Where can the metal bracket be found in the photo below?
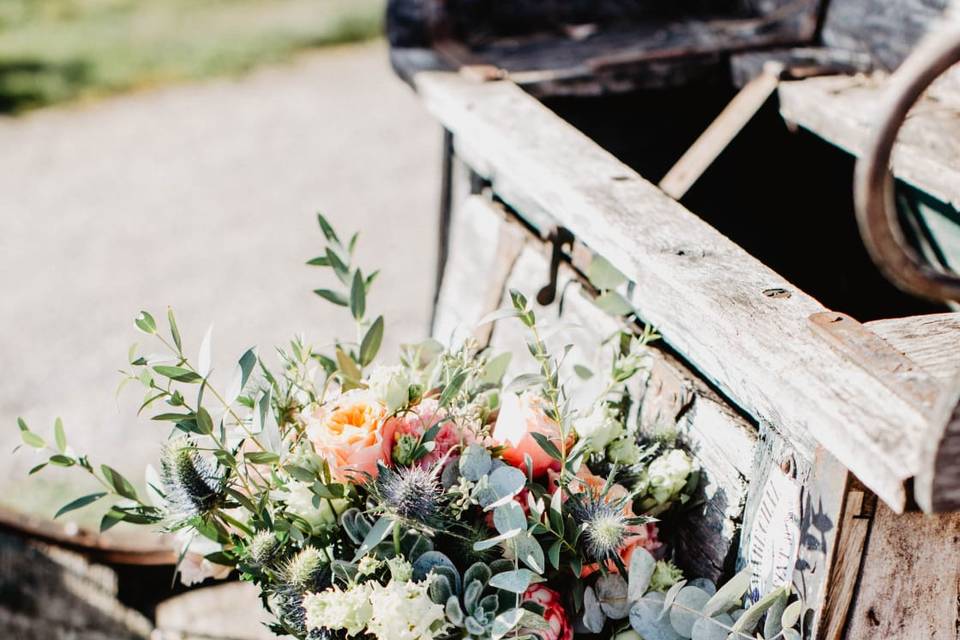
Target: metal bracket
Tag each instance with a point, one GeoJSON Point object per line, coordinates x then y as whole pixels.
{"type": "Point", "coordinates": [559, 237]}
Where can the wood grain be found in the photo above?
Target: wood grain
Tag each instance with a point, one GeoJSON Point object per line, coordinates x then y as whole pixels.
{"type": "Point", "coordinates": [702, 291]}
{"type": "Point", "coordinates": [908, 587]}
{"type": "Point", "coordinates": [932, 341]}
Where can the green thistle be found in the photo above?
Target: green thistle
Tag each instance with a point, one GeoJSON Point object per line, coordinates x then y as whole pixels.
{"type": "Point", "coordinates": [263, 548]}
{"type": "Point", "coordinates": [307, 572]}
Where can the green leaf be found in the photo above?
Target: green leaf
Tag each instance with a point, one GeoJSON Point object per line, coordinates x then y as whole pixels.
{"type": "Point", "coordinates": [319, 261]}
{"type": "Point", "coordinates": [729, 595]}
{"type": "Point", "coordinates": [548, 447]}
{"type": "Point", "coordinates": [172, 417]}
{"type": "Point", "coordinates": [110, 518]}
{"type": "Point", "coordinates": [371, 342]}
{"type": "Point", "coordinates": [604, 275]}
{"type": "Point", "coordinates": [335, 297]}
{"type": "Point", "coordinates": [120, 484]}
{"type": "Point", "coordinates": [146, 323]}
{"type": "Point", "coordinates": [340, 268]}
{"type": "Point", "coordinates": [37, 468]}
{"type": "Point", "coordinates": [22, 424]}
{"type": "Point", "coordinates": [505, 623]}
{"type": "Point", "coordinates": [749, 620]}
{"type": "Point", "coordinates": [614, 303]}
{"type": "Point", "coordinates": [59, 435]}
{"type": "Point", "coordinates": [241, 375]}
{"type": "Point", "coordinates": [179, 374]}
{"type": "Point", "coordinates": [515, 581]}
{"type": "Point", "coordinates": [62, 460]}
{"type": "Point", "coordinates": [358, 296]}
{"type": "Point", "coordinates": [261, 457]}
{"type": "Point", "coordinates": [79, 503]}
{"type": "Point", "coordinates": [174, 330]}
{"type": "Point", "coordinates": [582, 372]}
{"type": "Point", "coordinates": [204, 421]}
{"type": "Point", "coordinates": [495, 368]}
{"type": "Point", "coordinates": [32, 440]}
{"type": "Point", "coordinates": [327, 229]}
{"type": "Point", "coordinates": [452, 388]}
{"type": "Point", "coordinates": [347, 366]}
{"type": "Point", "coordinates": [378, 533]}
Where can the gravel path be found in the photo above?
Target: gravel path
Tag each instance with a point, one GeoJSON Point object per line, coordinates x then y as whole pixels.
{"type": "Point", "coordinates": [200, 197]}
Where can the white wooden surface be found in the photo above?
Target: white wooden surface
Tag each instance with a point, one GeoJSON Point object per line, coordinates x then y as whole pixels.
{"type": "Point", "coordinates": [704, 293]}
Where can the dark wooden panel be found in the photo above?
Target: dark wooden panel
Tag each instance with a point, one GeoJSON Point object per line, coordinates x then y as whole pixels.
{"type": "Point", "coordinates": [886, 30]}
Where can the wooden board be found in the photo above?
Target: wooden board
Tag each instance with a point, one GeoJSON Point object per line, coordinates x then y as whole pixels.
{"type": "Point", "coordinates": [705, 294]}
{"type": "Point", "coordinates": [840, 109]}
{"type": "Point", "coordinates": [933, 341]}
{"type": "Point", "coordinates": [908, 587]}
{"type": "Point", "coordinates": [884, 30]}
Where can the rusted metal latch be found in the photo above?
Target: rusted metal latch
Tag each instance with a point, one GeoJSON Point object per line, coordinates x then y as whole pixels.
{"type": "Point", "coordinates": [873, 182]}
{"type": "Point", "coordinates": [559, 237]}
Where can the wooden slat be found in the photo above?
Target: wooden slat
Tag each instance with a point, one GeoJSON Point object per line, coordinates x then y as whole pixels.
{"type": "Point", "coordinates": [933, 341]}
{"type": "Point", "coordinates": [908, 586]}
{"type": "Point", "coordinates": [705, 294]}
{"type": "Point", "coordinates": [840, 109]}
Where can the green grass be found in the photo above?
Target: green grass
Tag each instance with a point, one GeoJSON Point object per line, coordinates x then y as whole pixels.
{"type": "Point", "coordinates": [54, 51]}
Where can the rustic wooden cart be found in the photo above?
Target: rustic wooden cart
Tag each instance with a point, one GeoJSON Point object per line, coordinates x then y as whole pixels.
{"type": "Point", "coordinates": [821, 400]}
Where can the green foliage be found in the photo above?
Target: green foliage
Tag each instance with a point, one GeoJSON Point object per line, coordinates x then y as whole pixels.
{"type": "Point", "coordinates": [60, 50]}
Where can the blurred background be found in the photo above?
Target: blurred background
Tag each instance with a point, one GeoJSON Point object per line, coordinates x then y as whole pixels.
{"type": "Point", "coordinates": [174, 153]}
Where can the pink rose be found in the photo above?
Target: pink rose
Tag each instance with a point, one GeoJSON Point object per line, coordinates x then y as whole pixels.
{"type": "Point", "coordinates": [417, 420]}
{"type": "Point", "coordinates": [519, 417]}
{"type": "Point", "coordinates": [639, 535]}
{"type": "Point", "coordinates": [350, 433]}
{"type": "Point", "coordinates": [553, 612]}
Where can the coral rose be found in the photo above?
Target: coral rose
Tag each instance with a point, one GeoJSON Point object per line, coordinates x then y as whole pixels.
{"type": "Point", "coordinates": [349, 432]}
{"type": "Point", "coordinates": [519, 417]}
{"type": "Point", "coordinates": [559, 627]}
{"type": "Point", "coordinates": [638, 535]}
{"type": "Point", "coordinates": [409, 426]}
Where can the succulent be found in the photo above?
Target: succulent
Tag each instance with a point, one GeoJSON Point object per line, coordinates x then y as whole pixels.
{"type": "Point", "coordinates": [695, 610]}
{"type": "Point", "coordinates": [471, 603]}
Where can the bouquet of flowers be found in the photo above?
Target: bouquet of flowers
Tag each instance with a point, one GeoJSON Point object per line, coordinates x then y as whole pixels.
{"type": "Point", "coordinates": [423, 499]}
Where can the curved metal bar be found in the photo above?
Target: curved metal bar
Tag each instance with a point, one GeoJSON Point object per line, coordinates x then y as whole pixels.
{"type": "Point", "coordinates": [873, 182]}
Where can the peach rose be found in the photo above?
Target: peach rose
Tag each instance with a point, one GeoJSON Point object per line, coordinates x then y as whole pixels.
{"type": "Point", "coordinates": [350, 432]}
{"type": "Point", "coordinates": [418, 420]}
{"type": "Point", "coordinates": [519, 417]}
{"type": "Point", "coordinates": [640, 535]}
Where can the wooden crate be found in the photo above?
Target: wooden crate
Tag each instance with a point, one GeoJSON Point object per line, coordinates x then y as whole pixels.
{"type": "Point", "coordinates": [818, 434]}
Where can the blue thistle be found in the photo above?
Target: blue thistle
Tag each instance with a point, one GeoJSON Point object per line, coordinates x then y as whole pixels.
{"type": "Point", "coordinates": [412, 494]}
{"type": "Point", "coordinates": [192, 484]}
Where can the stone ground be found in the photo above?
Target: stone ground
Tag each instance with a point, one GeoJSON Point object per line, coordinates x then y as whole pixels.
{"type": "Point", "coordinates": [201, 197]}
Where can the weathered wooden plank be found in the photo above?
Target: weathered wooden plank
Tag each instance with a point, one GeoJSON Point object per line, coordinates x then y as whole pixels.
{"type": "Point", "coordinates": [908, 585]}
{"type": "Point", "coordinates": [933, 341]}
{"type": "Point", "coordinates": [705, 294]}
{"type": "Point", "coordinates": [841, 110]}
{"type": "Point", "coordinates": [886, 31]}
{"type": "Point", "coordinates": [480, 241]}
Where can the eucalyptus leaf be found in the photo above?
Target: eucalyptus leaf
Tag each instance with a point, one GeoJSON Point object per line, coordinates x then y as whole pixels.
{"type": "Point", "coordinates": [593, 616]}
{"type": "Point", "coordinates": [515, 581]}
{"type": "Point", "coordinates": [685, 609]}
{"type": "Point", "coordinates": [791, 615]}
{"type": "Point", "coordinates": [505, 623]}
{"type": "Point", "coordinates": [475, 462]}
{"type": "Point", "coordinates": [613, 303]}
{"type": "Point", "coordinates": [640, 572]}
{"type": "Point", "coordinates": [646, 620]}
{"type": "Point", "coordinates": [611, 591]}
{"type": "Point", "coordinates": [509, 516]}
{"type": "Point", "coordinates": [604, 275]}
{"type": "Point", "coordinates": [716, 628]}
{"type": "Point", "coordinates": [729, 595]}
{"type": "Point", "coordinates": [749, 620]}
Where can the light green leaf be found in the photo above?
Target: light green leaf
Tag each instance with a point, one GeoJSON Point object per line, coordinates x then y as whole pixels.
{"type": "Point", "coordinates": [120, 484]}
{"type": "Point", "coordinates": [358, 296]}
{"type": "Point", "coordinates": [33, 440]}
{"type": "Point", "coordinates": [335, 297]}
{"type": "Point", "coordinates": [79, 503]}
{"type": "Point", "coordinates": [378, 533]}
{"type": "Point", "coordinates": [204, 356]}
{"type": "Point", "coordinates": [515, 581]}
{"type": "Point", "coordinates": [604, 275]}
{"type": "Point", "coordinates": [495, 368]}
{"type": "Point", "coordinates": [241, 375]}
{"type": "Point", "coordinates": [613, 303]}
{"type": "Point", "coordinates": [180, 374]}
{"type": "Point", "coordinates": [174, 330]}
{"type": "Point", "coordinates": [59, 435]}
{"type": "Point", "coordinates": [261, 457]}
{"type": "Point", "coordinates": [505, 623]}
{"type": "Point", "coordinates": [370, 344]}
{"type": "Point", "coordinates": [146, 323]}
{"type": "Point", "coordinates": [729, 595]}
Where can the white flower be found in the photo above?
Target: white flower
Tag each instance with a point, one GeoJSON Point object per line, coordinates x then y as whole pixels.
{"type": "Point", "coordinates": [367, 566]}
{"type": "Point", "coordinates": [335, 609]}
{"type": "Point", "coordinates": [624, 451]}
{"type": "Point", "coordinates": [404, 611]}
{"type": "Point", "coordinates": [400, 569]}
{"type": "Point", "coordinates": [599, 427]}
{"type": "Point", "coordinates": [668, 474]}
{"type": "Point", "coordinates": [194, 568]}
{"type": "Point", "coordinates": [301, 501]}
{"type": "Point", "coordinates": [390, 385]}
